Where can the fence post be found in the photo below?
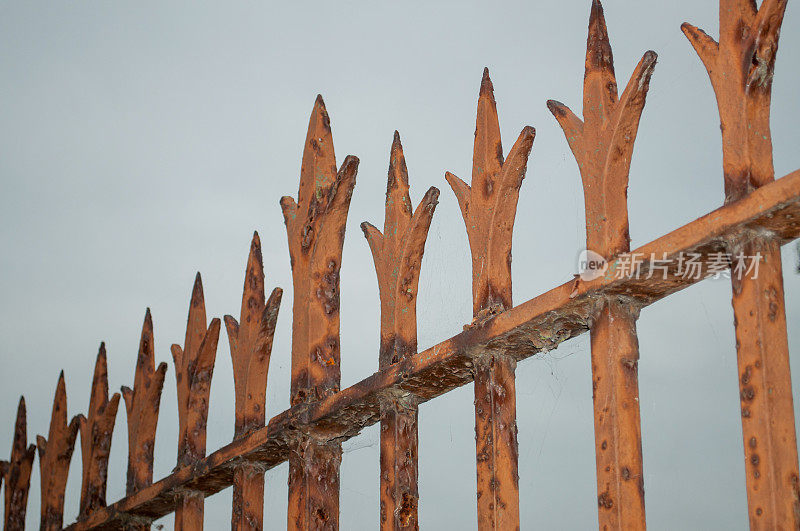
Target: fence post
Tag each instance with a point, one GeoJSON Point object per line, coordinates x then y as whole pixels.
{"type": "Point", "coordinates": [315, 228]}
{"type": "Point", "coordinates": [488, 207]}
{"type": "Point", "coordinates": [741, 67]}
{"type": "Point", "coordinates": [397, 253]}
{"type": "Point", "coordinates": [251, 349]}
{"type": "Point", "coordinates": [603, 145]}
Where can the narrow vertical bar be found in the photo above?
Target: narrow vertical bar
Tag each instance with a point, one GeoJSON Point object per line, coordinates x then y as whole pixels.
{"type": "Point", "coordinates": [496, 438]}
{"type": "Point", "coordinates": [602, 144]}
{"type": "Point", "coordinates": [248, 497]}
{"type": "Point", "coordinates": [397, 253]}
{"type": "Point", "coordinates": [618, 433]}
{"type": "Point", "coordinates": [765, 391]}
{"type": "Point", "coordinates": [315, 227]}
{"type": "Point", "coordinates": [189, 511]}
{"type": "Point", "coordinates": [489, 207]}
{"type": "Point", "coordinates": [399, 489]}
{"type": "Point", "coordinates": [741, 68]}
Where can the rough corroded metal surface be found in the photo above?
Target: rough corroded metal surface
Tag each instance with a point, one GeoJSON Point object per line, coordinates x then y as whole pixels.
{"type": "Point", "coordinates": [55, 454]}
{"type": "Point", "coordinates": [17, 473]}
{"type": "Point", "coordinates": [489, 206]}
{"type": "Point", "coordinates": [315, 226]}
{"type": "Point", "coordinates": [602, 144]}
{"type": "Point", "coordinates": [397, 253]}
{"type": "Point", "coordinates": [539, 324]}
{"type": "Point", "coordinates": [250, 341]}
{"type": "Point", "coordinates": [194, 368]}
{"type": "Point", "coordinates": [741, 67]}
{"type": "Point", "coordinates": [97, 429]}
{"type": "Point", "coordinates": [142, 403]}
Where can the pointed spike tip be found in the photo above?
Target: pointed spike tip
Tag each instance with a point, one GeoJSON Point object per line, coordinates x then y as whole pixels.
{"type": "Point", "coordinates": [556, 107]}
{"type": "Point", "coordinates": [396, 138]}
{"type": "Point", "coordinates": [319, 102]}
{"type": "Point", "coordinates": [486, 83]}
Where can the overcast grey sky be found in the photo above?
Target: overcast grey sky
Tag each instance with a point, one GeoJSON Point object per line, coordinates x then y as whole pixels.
{"type": "Point", "coordinates": [141, 142]}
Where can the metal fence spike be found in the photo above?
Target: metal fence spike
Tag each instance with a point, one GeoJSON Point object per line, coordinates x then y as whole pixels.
{"type": "Point", "coordinates": [315, 226]}
{"type": "Point", "coordinates": [489, 206]}
{"type": "Point", "coordinates": [17, 473]}
{"type": "Point", "coordinates": [741, 68]}
{"type": "Point", "coordinates": [97, 429]}
{"type": "Point", "coordinates": [602, 144]}
{"type": "Point", "coordinates": [194, 368]}
{"type": "Point", "coordinates": [250, 341]}
{"type": "Point", "coordinates": [142, 405]}
{"type": "Point", "coordinates": [397, 253]}
{"type": "Point", "coordinates": [55, 454]}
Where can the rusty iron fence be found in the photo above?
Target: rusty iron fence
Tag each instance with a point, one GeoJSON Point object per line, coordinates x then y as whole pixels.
{"type": "Point", "coordinates": [760, 214]}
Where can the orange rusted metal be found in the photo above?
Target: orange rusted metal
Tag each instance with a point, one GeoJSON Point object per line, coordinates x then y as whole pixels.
{"type": "Point", "coordinates": [759, 215]}
{"type": "Point", "coordinates": [96, 429]}
{"type": "Point", "coordinates": [489, 207]}
{"type": "Point", "coordinates": [315, 227]}
{"type": "Point", "coordinates": [536, 325]}
{"type": "Point", "coordinates": [142, 403]}
{"type": "Point", "coordinates": [55, 454]}
{"type": "Point", "coordinates": [251, 347]}
{"type": "Point", "coordinates": [741, 68]}
{"type": "Point", "coordinates": [194, 367]}
{"type": "Point", "coordinates": [602, 144]}
{"type": "Point", "coordinates": [397, 253]}
{"type": "Point", "coordinates": [17, 473]}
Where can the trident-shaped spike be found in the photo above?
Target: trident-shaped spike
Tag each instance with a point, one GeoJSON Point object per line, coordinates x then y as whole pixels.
{"type": "Point", "coordinates": [96, 430]}
{"type": "Point", "coordinates": [251, 347]}
{"type": "Point", "coordinates": [489, 206]}
{"type": "Point", "coordinates": [397, 253]}
{"type": "Point", "coordinates": [315, 226]}
{"type": "Point", "coordinates": [251, 343]}
{"type": "Point", "coordinates": [741, 68]}
{"type": "Point", "coordinates": [603, 144]}
{"type": "Point", "coordinates": [17, 473]}
{"type": "Point", "coordinates": [194, 367]}
{"type": "Point", "coordinates": [142, 405]}
{"type": "Point", "coordinates": [55, 453]}
{"type": "Point", "coordinates": [603, 141]}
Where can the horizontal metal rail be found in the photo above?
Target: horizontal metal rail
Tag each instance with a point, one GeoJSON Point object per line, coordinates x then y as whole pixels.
{"type": "Point", "coordinates": [538, 325]}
